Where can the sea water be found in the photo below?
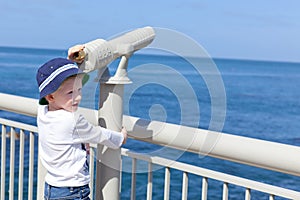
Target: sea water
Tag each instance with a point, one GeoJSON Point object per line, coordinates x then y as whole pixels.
{"type": "Point", "coordinates": [257, 99]}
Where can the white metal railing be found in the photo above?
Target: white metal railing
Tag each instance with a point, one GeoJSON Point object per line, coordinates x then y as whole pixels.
{"type": "Point", "coordinates": [187, 169]}
{"type": "Point", "coordinates": [228, 147]}
{"type": "Point", "coordinates": [168, 164]}
{"type": "Point", "coordinates": [12, 133]}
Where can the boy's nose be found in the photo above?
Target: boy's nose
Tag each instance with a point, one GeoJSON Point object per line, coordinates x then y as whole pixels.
{"type": "Point", "coordinates": [77, 97]}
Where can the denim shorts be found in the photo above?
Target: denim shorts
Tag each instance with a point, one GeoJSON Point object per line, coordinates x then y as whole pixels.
{"type": "Point", "coordinates": [61, 193]}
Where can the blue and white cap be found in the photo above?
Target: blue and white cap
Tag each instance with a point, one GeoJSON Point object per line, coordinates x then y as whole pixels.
{"type": "Point", "coordinates": [51, 75]}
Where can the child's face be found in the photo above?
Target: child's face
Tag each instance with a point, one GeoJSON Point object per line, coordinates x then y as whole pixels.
{"type": "Point", "coordinates": [68, 95]}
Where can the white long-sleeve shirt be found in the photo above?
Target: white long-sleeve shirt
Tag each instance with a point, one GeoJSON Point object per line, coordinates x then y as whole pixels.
{"type": "Point", "coordinates": [61, 134]}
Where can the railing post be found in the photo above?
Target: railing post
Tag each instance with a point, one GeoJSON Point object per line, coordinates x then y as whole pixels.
{"type": "Point", "coordinates": [108, 166]}
{"type": "Point", "coordinates": [41, 173]}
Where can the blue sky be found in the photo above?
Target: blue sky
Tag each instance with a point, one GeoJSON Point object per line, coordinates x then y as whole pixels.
{"type": "Point", "coordinates": [260, 30]}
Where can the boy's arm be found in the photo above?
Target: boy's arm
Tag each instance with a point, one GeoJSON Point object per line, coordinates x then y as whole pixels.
{"type": "Point", "coordinates": [85, 132]}
{"type": "Point", "coordinates": [124, 132]}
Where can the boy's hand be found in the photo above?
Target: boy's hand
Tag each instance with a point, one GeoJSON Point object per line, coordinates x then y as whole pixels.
{"type": "Point", "coordinates": [76, 53]}
{"type": "Point", "coordinates": [124, 132]}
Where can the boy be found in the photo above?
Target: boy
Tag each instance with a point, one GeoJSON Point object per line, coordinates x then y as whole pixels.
{"type": "Point", "coordinates": [63, 131]}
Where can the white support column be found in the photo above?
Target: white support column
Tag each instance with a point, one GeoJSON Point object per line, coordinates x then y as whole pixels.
{"type": "Point", "coordinates": [108, 166]}
{"type": "Point", "coordinates": [109, 160]}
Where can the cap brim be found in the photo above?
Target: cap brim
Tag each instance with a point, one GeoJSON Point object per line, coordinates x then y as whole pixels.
{"type": "Point", "coordinates": [43, 101]}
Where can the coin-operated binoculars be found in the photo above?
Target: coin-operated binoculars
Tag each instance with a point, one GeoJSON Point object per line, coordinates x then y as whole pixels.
{"type": "Point", "coordinates": [97, 55]}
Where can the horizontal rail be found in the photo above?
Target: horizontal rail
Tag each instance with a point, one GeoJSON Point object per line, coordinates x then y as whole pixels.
{"type": "Point", "coordinates": [234, 148]}
{"type": "Point", "coordinates": [18, 104]}
{"type": "Point", "coordinates": [254, 152]}
{"type": "Point", "coordinates": [19, 125]}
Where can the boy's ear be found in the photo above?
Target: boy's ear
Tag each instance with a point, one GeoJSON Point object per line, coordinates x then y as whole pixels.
{"type": "Point", "coordinates": [49, 98]}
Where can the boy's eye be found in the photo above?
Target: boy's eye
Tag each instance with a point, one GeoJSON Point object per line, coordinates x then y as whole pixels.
{"type": "Point", "coordinates": [70, 92]}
